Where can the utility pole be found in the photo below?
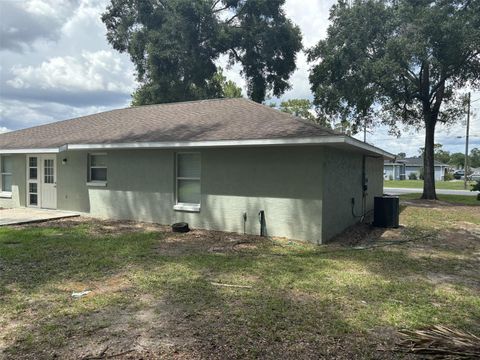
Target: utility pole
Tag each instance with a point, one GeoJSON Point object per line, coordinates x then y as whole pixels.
{"type": "Point", "coordinates": [466, 144]}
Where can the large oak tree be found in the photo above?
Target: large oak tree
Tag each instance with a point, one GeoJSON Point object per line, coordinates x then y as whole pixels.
{"type": "Point", "coordinates": [175, 45]}
{"type": "Point", "coordinates": [399, 61]}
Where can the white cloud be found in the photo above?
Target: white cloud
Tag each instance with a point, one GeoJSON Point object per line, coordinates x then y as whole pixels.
{"type": "Point", "coordinates": [56, 9]}
{"type": "Point", "coordinates": [16, 114]}
{"type": "Point", "coordinates": [87, 15]}
{"type": "Point", "coordinates": [91, 71]}
{"type": "Point", "coordinates": [4, 129]}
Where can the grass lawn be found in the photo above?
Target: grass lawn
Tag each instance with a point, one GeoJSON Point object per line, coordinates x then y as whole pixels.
{"type": "Point", "coordinates": [156, 295]}
{"type": "Point", "coordinates": [452, 199]}
{"type": "Point", "coordinates": [418, 184]}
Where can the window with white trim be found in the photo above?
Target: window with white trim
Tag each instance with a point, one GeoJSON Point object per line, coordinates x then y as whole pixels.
{"type": "Point", "coordinates": [97, 167]}
{"type": "Point", "coordinates": [6, 170]}
{"type": "Point", "coordinates": [33, 180]}
{"type": "Point", "coordinates": [188, 179]}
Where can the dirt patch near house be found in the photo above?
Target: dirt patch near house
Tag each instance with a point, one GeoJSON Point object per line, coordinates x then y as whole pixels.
{"type": "Point", "coordinates": [205, 241]}
{"type": "Point", "coordinates": [99, 227]}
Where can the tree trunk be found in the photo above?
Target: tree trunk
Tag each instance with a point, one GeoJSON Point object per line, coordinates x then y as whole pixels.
{"type": "Point", "coordinates": [429, 158]}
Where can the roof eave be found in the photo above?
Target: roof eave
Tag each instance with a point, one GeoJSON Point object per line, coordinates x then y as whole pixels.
{"type": "Point", "coordinates": [305, 141]}
{"type": "Point", "coordinates": [319, 140]}
{"type": "Point", "coordinates": [30, 151]}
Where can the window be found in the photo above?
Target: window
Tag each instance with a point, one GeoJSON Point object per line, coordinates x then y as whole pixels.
{"type": "Point", "coordinates": [97, 170]}
{"type": "Point", "coordinates": [33, 178]}
{"type": "Point", "coordinates": [6, 168]}
{"type": "Point", "coordinates": [48, 171]}
{"type": "Point", "coordinates": [188, 181]}
{"type": "Point", "coordinates": [32, 168]}
{"type": "Point", "coordinates": [33, 194]}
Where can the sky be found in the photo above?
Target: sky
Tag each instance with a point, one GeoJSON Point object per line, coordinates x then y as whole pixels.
{"type": "Point", "coordinates": [56, 64]}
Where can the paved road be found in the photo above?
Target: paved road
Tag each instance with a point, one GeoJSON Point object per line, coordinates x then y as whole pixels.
{"type": "Point", "coordinates": [399, 191]}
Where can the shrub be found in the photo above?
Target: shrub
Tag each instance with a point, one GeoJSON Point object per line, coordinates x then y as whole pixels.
{"type": "Point", "coordinates": [412, 176]}
{"type": "Point", "coordinates": [448, 177]}
{"type": "Point", "coordinates": [476, 187]}
{"type": "Point", "coordinates": [390, 177]}
{"type": "Point", "coordinates": [421, 174]}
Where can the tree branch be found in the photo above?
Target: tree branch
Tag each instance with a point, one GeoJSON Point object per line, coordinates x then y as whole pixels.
{"type": "Point", "coordinates": [215, 4]}
{"type": "Point", "coordinates": [220, 9]}
{"type": "Point", "coordinates": [438, 99]}
{"type": "Point", "coordinates": [236, 15]}
{"type": "Point", "coordinates": [235, 54]}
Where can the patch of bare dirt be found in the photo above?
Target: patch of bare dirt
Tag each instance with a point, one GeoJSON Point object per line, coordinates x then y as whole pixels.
{"type": "Point", "coordinates": [363, 234]}
{"type": "Point", "coordinates": [148, 329]}
{"type": "Point", "coordinates": [99, 227]}
{"type": "Point", "coordinates": [208, 241]}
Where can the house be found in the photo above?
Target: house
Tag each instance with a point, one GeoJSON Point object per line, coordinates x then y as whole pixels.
{"type": "Point", "coordinates": [401, 169]}
{"type": "Point", "coordinates": [214, 164]}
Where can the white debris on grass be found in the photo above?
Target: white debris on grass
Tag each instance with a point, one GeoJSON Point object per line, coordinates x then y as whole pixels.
{"type": "Point", "coordinates": [81, 294]}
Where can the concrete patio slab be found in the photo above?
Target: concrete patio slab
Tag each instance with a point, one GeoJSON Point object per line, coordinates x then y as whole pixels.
{"type": "Point", "coordinates": [29, 215]}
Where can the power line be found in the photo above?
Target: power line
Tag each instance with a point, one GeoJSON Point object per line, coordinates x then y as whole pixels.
{"type": "Point", "coordinates": [418, 137]}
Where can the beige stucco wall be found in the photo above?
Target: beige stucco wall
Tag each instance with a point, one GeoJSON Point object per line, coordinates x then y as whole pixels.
{"type": "Point", "coordinates": [284, 182]}
{"type": "Point", "coordinates": [18, 180]}
{"type": "Point", "coordinates": [343, 181]}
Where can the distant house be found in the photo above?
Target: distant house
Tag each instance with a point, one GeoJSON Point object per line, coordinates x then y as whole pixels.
{"type": "Point", "coordinates": [402, 168]}
{"type": "Point", "coordinates": [215, 164]}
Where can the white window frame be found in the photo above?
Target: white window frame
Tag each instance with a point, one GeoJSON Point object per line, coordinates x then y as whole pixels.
{"type": "Point", "coordinates": [91, 182]}
{"type": "Point", "coordinates": [4, 194]}
{"type": "Point", "coordinates": [187, 206]}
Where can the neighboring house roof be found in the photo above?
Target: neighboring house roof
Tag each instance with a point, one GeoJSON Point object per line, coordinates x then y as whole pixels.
{"type": "Point", "coordinates": [221, 121]}
{"type": "Point", "coordinates": [413, 161]}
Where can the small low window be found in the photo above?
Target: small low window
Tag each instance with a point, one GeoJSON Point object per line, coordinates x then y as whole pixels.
{"type": "Point", "coordinates": [6, 169]}
{"type": "Point", "coordinates": [188, 178]}
{"type": "Point", "coordinates": [97, 170]}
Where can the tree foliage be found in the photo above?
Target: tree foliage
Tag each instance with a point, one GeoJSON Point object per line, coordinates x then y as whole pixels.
{"type": "Point", "coordinates": [229, 89]}
{"type": "Point", "coordinates": [298, 107]}
{"type": "Point", "coordinates": [174, 45]}
{"type": "Point", "coordinates": [403, 62]}
{"type": "Point", "coordinates": [457, 160]}
{"type": "Point", "coordinates": [220, 86]}
{"type": "Point", "coordinates": [475, 158]}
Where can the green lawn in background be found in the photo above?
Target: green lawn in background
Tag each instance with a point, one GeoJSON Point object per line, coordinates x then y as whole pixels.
{"type": "Point", "coordinates": [453, 199]}
{"type": "Point", "coordinates": [418, 184]}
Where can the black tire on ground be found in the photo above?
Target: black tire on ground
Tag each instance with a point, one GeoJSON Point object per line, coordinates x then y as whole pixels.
{"type": "Point", "coordinates": [181, 227]}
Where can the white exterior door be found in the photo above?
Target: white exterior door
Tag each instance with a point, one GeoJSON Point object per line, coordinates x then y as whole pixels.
{"type": "Point", "coordinates": [49, 182]}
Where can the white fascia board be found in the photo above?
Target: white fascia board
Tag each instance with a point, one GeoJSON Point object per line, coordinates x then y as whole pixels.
{"type": "Point", "coordinates": [360, 144]}
{"type": "Point", "coordinates": [30, 151]}
{"type": "Point", "coordinates": [319, 140]}
{"type": "Point", "coordinates": [210, 143]}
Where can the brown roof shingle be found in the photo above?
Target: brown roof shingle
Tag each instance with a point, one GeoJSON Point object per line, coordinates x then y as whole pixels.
{"type": "Point", "coordinates": [206, 120]}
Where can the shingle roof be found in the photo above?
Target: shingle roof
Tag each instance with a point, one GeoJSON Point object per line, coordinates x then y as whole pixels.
{"type": "Point", "coordinates": [414, 161]}
{"type": "Point", "coordinates": [206, 120]}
